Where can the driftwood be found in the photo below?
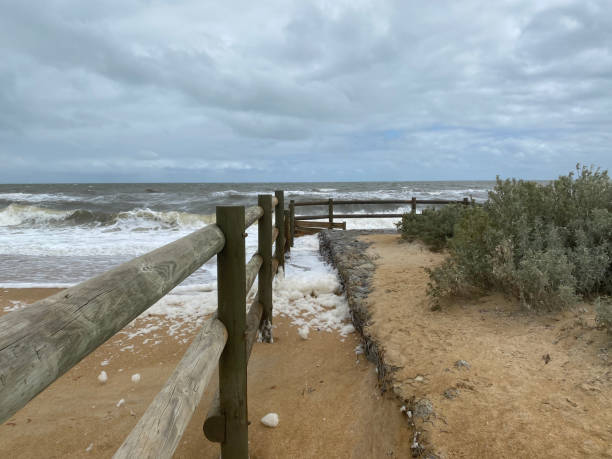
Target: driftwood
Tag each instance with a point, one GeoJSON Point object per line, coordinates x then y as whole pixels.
{"type": "Point", "coordinates": [42, 342]}
{"type": "Point", "coordinates": [161, 427]}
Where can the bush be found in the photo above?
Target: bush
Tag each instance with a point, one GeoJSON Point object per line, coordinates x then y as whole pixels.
{"type": "Point", "coordinates": [547, 245]}
{"type": "Point", "coordinates": [432, 226]}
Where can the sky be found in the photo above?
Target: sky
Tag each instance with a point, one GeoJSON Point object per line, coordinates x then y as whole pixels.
{"type": "Point", "coordinates": [233, 91]}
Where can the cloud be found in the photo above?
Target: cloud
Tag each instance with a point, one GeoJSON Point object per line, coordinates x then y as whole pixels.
{"type": "Point", "coordinates": [362, 90]}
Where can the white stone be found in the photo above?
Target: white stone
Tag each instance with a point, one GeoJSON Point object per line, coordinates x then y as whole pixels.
{"type": "Point", "coordinates": [270, 420]}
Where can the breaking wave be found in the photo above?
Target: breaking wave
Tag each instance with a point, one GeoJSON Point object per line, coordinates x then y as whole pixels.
{"type": "Point", "coordinates": [27, 216]}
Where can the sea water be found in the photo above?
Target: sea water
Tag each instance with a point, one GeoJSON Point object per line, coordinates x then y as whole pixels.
{"type": "Point", "coordinates": [61, 234]}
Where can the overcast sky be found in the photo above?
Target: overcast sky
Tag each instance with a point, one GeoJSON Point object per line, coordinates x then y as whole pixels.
{"type": "Point", "coordinates": [194, 90]}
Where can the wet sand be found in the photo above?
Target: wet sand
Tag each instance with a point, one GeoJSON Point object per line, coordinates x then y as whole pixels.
{"type": "Point", "coordinates": [326, 397]}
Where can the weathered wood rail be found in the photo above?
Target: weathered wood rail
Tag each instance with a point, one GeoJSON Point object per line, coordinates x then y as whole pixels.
{"type": "Point", "coordinates": [40, 343]}
{"type": "Point", "coordinates": [311, 224]}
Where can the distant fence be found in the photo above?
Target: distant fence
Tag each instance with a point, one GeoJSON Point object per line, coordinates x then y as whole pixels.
{"type": "Point", "coordinates": [43, 341]}
{"type": "Point", "coordinates": [40, 343]}
{"type": "Point", "coordinates": [301, 224]}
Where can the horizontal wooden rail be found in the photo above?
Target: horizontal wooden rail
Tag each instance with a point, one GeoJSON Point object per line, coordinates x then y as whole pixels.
{"type": "Point", "coordinates": [377, 201]}
{"type": "Point", "coordinates": [275, 265]}
{"type": "Point", "coordinates": [251, 215]}
{"type": "Point", "coordinates": [159, 430]}
{"type": "Point", "coordinates": [40, 343]}
{"type": "Point", "coordinates": [214, 425]}
{"type": "Point", "coordinates": [252, 268]}
{"type": "Point", "coordinates": [308, 231]}
{"type": "Point", "coordinates": [309, 224]}
{"type": "Point", "coordinates": [317, 217]}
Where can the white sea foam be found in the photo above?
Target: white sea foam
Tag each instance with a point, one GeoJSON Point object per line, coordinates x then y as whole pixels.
{"type": "Point", "coordinates": [309, 294]}
{"type": "Point", "coordinates": [39, 197]}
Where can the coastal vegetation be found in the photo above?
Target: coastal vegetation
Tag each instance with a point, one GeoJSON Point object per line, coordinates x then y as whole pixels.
{"type": "Point", "coordinates": [548, 245]}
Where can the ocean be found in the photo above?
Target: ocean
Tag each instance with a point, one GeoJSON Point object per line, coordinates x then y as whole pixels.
{"type": "Point", "coordinates": [62, 234]}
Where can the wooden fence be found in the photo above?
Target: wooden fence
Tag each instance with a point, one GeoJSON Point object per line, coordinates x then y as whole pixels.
{"type": "Point", "coordinates": [40, 343]}
{"type": "Point", "coordinates": [43, 341]}
{"type": "Point", "coordinates": [301, 224]}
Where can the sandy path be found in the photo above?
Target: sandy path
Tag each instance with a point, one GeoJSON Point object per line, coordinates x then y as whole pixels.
{"type": "Point", "coordinates": [325, 395]}
{"type": "Point", "coordinates": [510, 403]}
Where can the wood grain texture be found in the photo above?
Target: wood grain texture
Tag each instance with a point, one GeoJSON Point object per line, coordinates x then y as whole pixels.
{"type": "Point", "coordinates": [214, 425]}
{"type": "Point", "coordinates": [279, 222]}
{"type": "Point", "coordinates": [287, 246]}
{"type": "Point", "coordinates": [251, 215]}
{"type": "Point", "coordinates": [252, 268]}
{"type": "Point", "coordinates": [231, 293]}
{"type": "Point", "coordinates": [266, 237]}
{"type": "Point", "coordinates": [159, 430]}
{"type": "Point", "coordinates": [43, 341]}
{"type": "Point", "coordinates": [291, 221]}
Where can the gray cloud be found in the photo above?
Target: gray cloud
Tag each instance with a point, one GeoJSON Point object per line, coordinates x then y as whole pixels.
{"type": "Point", "coordinates": [189, 90]}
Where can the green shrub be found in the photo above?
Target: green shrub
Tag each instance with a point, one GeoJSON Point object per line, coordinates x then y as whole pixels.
{"type": "Point", "coordinates": [432, 226]}
{"type": "Point", "coordinates": [548, 245]}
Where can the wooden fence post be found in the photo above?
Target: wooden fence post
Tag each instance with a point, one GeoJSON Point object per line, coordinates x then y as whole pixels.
{"type": "Point", "coordinates": [231, 297]}
{"type": "Point", "coordinates": [413, 205]}
{"type": "Point", "coordinates": [330, 207]}
{"type": "Point", "coordinates": [279, 217]}
{"type": "Point", "coordinates": [291, 221]}
{"type": "Point", "coordinates": [465, 201]}
{"type": "Point", "coordinates": [287, 235]}
{"type": "Point", "coordinates": [264, 286]}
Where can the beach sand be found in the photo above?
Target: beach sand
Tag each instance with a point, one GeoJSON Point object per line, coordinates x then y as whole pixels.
{"type": "Point", "coordinates": [535, 385]}
{"type": "Point", "coordinates": [326, 397]}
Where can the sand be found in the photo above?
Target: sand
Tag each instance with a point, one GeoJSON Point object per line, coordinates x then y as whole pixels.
{"type": "Point", "coordinates": [325, 395]}
{"type": "Point", "coordinates": [512, 401]}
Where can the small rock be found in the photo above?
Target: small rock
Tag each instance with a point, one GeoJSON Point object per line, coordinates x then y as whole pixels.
{"type": "Point", "coordinates": [419, 379]}
{"type": "Point", "coordinates": [136, 378]}
{"type": "Point", "coordinates": [270, 420]}
{"type": "Point", "coordinates": [451, 393]}
{"type": "Point", "coordinates": [103, 377]}
{"type": "Point", "coordinates": [120, 402]}
{"type": "Point", "coordinates": [423, 409]}
{"type": "Point", "coordinates": [462, 364]}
